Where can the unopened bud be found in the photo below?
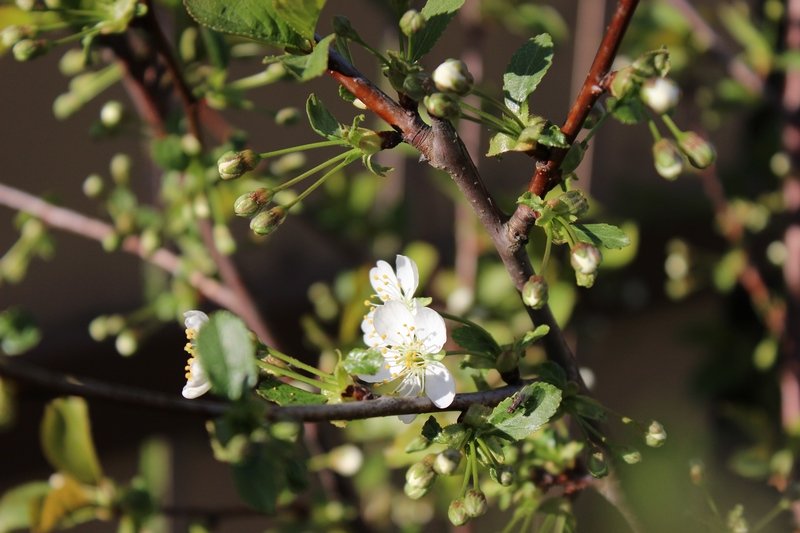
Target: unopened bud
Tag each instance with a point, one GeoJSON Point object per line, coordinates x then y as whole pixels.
{"type": "Point", "coordinates": [191, 145]}
{"type": "Point", "coordinates": [26, 5]}
{"type": "Point", "coordinates": [126, 343]}
{"type": "Point", "coordinates": [623, 82]}
{"type": "Point", "coordinates": [28, 49]}
{"type": "Point", "coordinates": [414, 85]}
{"type": "Point", "coordinates": [111, 114]}
{"type": "Point", "coordinates": [630, 455]}
{"type": "Point", "coordinates": [97, 329]}
{"type": "Point", "coordinates": [287, 116]}
{"type": "Point", "coordinates": [475, 503]}
{"type": "Point", "coordinates": [452, 76]}
{"type": "Point", "coordinates": [11, 35]}
{"type": "Point", "coordinates": [457, 512]}
{"type": "Point", "coordinates": [369, 142]}
{"type": "Point", "coordinates": [447, 462]}
{"type": "Point", "coordinates": [93, 186]}
{"type": "Point", "coordinates": [652, 64]}
{"type": "Point", "coordinates": [441, 105]}
{"type": "Point", "coordinates": [656, 435]}
{"type": "Point", "coordinates": [65, 105]}
{"type": "Point", "coordinates": [266, 222]}
{"type": "Point", "coordinates": [420, 475]}
{"type": "Point", "coordinates": [149, 241]}
{"type": "Point", "coordinates": [699, 151]}
{"type": "Point", "coordinates": [411, 22]}
{"type": "Point", "coordinates": [72, 62]}
{"type": "Point", "coordinates": [504, 475]}
{"type": "Point", "coordinates": [597, 465]}
{"type": "Point", "coordinates": [235, 164]}
{"type": "Point", "coordinates": [249, 203]}
{"type": "Point", "coordinates": [667, 159]}
{"type": "Point", "coordinates": [660, 94]}
{"type": "Point", "coordinates": [415, 493]}
{"type": "Point", "coordinates": [697, 472]}
{"type": "Point", "coordinates": [585, 280]}
{"type": "Point", "coordinates": [585, 258]}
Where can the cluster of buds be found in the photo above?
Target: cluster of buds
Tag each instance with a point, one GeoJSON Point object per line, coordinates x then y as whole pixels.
{"type": "Point", "coordinates": [451, 79]}
{"type": "Point", "coordinates": [472, 505]}
{"type": "Point", "coordinates": [585, 258]}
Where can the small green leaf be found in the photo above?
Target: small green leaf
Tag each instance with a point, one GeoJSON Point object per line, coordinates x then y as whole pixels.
{"type": "Point", "coordinates": [301, 15]}
{"type": "Point", "coordinates": [227, 353]}
{"type": "Point", "coordinates": [526, 70]}
{"type": "Point", "coordinates": [275, 390]}
{"type": "Point", "coordinates": [538, 402]}
{"type": "Point", "coordinates": [66, 438]}
{"type": "Point", "coordinates": [256, 19]}
{"type": "Point", "coordinates": [259, 478]}
{"type": "Point", "coordinates": [628, 111]}
{"type": "Point", "coordinates": [605, 235]}
{"type": "Point", "coordinates": [438, 14]}
{"type": "Point", "coordinates": [553, 136]}
{"type": "Point", "coordinates": [476, 339]}
{"type": "Point", "coordinates": [532, 336]}
{"type": "Point", "coordinates": [500, 143]}
{"type": "Point", "coordinates": [17, 503]}
{"type": "Point", "coordinates": [310, 66]}
{"type": "Point", "coordinates": [363, 361]}
{"type": "Point", "coordinates": [321, 119]}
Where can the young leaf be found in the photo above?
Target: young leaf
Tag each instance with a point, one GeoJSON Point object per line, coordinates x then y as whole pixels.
{"type": "Point", "coordinates": [256, 19]}
{"type": "Point", "coordinates": [553, 136]}
{"type": "Point", "coordinates": [528, 66]}
{"type": "Point", "coordinates": [301, 15]}
{"type": "Point", "coordinates": [438, 14]}
{"type": "Point", "coordinates": [605, 235]}
{"type": "Point", "coordinates": [274, 390]}
{"type": "Point", "coordinates": [16, 505]}
{"type": "Point", "coordinates": [227, 354]}
{"type": "Point", "coordinates": [537, 403]}
{"type": "Point", "coordinates": [321, 119]}
{"type": "Point", "coordinates": [66, 438]}
{"type": "Point", "coordinates": [310, 66]}
{"type": "Point", "coordinates": [532, 336]}
{"type": "Point", "coordinates": [476, 339]}
{"type": "Point", "coordinates": [363, 361]}
{"type": "Point", "coordinates": [500, 143]}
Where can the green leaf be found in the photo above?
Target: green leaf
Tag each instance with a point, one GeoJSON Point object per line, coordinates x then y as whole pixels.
{"type": "Point", "coordinates": [528, 66]}
{"type": "Point", "coordinates": [17, 503]}
{"type": "Point", "coordinates": [605, 235]}
{"type": "Point", "coordinates": [476, 339]}
{"type": "Point", "coordinates": [438, 14]}
{"type": "Point", "coordinates": [532, 336]}
{"type": "Point", "coordinates": [628, 111]}
{"type": "Point", "coordinates": [301, 15]}
{"type": "Point", "coordinates": [363, 361]}
{"type": "Point", "coordinates": [256, 19]}
{"type": "Point", "coordinates": [585, 407]}
{"type": "Point", "coordinates": [321, 119]}
{"type": "Point", "coordinates": [500, 143]}
{"type": "Point", "coordinates": [66, 439]}
{"type": "Point", "coordinates": [553, 136]}
{"type": "Point", "coordinates": [310, 66]}
{"type": "Point", "coordinates": [275, 390]}
{"type": "Point", "coordinates": [227, 354]}
{"type": "Point", "coordinates": [538, 402]}
{"type": "Point", "coordinates": [259, 478]}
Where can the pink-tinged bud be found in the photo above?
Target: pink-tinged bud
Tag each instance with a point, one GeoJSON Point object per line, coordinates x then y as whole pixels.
{"type": "Point", "coordinates": [235, 164]}
{"type": "Point", "coordinates": [251, 202]}
{"type": "Point", "coordinates": [699, 151]}
{"type": "Point", "coordinates": [667, 159]}
{"type": "Point", "coordinates": [266, 222]}
{"type": "Point", "coordinates": [534, 292]}
{"type": "Point", "coordinates": [453, 76]}
{"type": "Point", "coordinates": [660, 94]}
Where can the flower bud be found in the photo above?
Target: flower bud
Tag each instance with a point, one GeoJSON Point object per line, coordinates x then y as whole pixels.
{"type": "Point", "coordinates": [93, 186]}
{"type": "Point", "coordinates": [149, 241]}
{"type": "Point", "coordinates": [504, 475]}
{"type": "Point", "coordinates": [452, 76]}
{"type": "Point", "coordinates": [534, 292]}
{"type": "Point", "coordinates": [27, 5]}
{"type": "Point", "coordinates": [475, 503]}
{"type": "Point", "coordinates": [190, 145]}
{"type": "Point", "coordinates": [411, 22]}
{"type": "Point", "coordinates": [420, 475]}
{"type": "Point", "coordinates": [660, 94]}
{"type": "Point", "coordinates": [457, 512]}
{"type": "Point", "coordinates": [597, 465]}
{"type": "Point", "coordinates": [623, 83]}
{"type": "Point", "coordinates": [630, 455]}
{"type": "Point", "coordinates": [667, 159]}
{"type": "Point", "coordinates": [120, 168]}
{"type": "Point", "coordinates": [234, 164]}
{"type": "Point", "coordinates": [287, 116]}
{"type": "Point", "coordinates": [97, 328]}
{"type": "Point", "coordinates": [28, 49]}
{"type": "Point", "coordinates": [111, 114]}
{"type": "Point", "coordinates": [369, 141]}
{"type": "Point", "coordinates": [415, 493]}
{"type": "Point", "coordinates": [266, 222]}
{"type": "Point", "coordinates": [699, 151]}
{"type": "Point", "coordinates": [414, 85]}
{"type": "Point", "coordinates": [656, 435]}
{"type": "Point", "coordinates": [11, 35]}
{"type": "Point", "coordinates": [441, 105]}
{"type": "Point", "coordinates": [585, 258]}
{"type": "Point", "coordinates": [249, 203]}
{"type": "Point", "coordinates": [447, 462]}
{"type": "Point", "coordinates": [72, 62]}
{"type": "Point", "coordinates": [126, 343]}
{"type": "Point", "coordinates": [697, 472]}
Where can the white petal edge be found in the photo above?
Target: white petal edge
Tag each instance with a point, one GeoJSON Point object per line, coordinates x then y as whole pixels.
{"type": "Point", "coordinates": [430, 329]}
{"type": "Point", "coordinates": [393, 322]}
{"type": "Point", "coordinates": [387, 289]}
{"type": "Point", "coordinates": [407, 276]}
{"type": "Point", "coordinates": [194, 319]}
{"type": "Point", "coordinates": [440, 386]}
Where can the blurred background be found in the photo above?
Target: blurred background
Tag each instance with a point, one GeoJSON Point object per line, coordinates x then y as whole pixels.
{"type": "Point", "coordinates": [668, 332]}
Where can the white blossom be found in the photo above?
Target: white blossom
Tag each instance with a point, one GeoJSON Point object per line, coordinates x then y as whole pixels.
{"type": "Point", "coordinates": [197, 382]}
{"type": "Point", "coordinates": [390, 286]}
{"type": "Point", "coordinates": [660, 94]}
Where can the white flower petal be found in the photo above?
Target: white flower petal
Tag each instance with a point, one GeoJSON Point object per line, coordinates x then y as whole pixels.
{"type": "Point", "coordinates": [371, 337]}
{"type": "Point", "coordinates": [430, 329]}
{"type": "Point", "coordinates": [440, 386]}
{"type": "Point", "coordinates": [407, 276]}
{"type": "Point", "coordinates": [393, 323]}
{"type": "Point", "coordinates": [411, 385]}
{"type": "Point", "coordinates": [194, 319]}
{"type": "Point", "coordinates": [198, 384]}
{"type": "Point", "coordinates": [384, 281]}
{"type": "Point", "coordinates": [384, 373]}
{"type": "Point", "coordinates": [406, 419]}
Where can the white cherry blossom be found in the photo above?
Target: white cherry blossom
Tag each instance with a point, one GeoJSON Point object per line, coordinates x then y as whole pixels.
{"type": "Point", "coordinates": [390, 286]}
{"type": "Point", "coordinates": [197, 382]}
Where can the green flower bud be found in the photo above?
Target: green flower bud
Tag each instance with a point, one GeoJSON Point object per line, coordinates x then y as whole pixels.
{"type": "Point", "coordinates": [287, 116]}
{"type": "Point", "coordinates": [447, 462]}
{"type": "Point", "coordinates": [11, 35]}
{"type": "Point", "coordinates": [249, 203]}
{"type": "Point", "coordinates": [233, 165]}
{"type": "Point", "coordinates": [597, 465]}
{"type": "Point", "coordinates": [111, 114]}
{"type": "Point", "coordinates": [656, 435]}
{"type": "Point", "coordinates": [411, 22]}
{"type": "Point", "coordinates": [72, 62]}
{"type": "Point", "coordinates": [504, 475]}
{"type": "Point", "coordinates": [699, 151]}
{"type": "Point", "coordinates": [415, 493]}
{"type": "Point", "coordinates": [585, 258]}
{"type": "Point", "coordinates": [667, 159]}
{"type": "Point", "coordinates": [452, 76]}
{"type": "Point", "coordinates": [441, 105]}
{"type": "Point", "coordinates": [457, 512]}
{"type": "Point", "coordinates": [150, 240]}
{"type": "Point", "coordinates": [65, 105]}
{"type": "Point", "coordinates": [630, 455]}
{"type": "Point", "coordinates": [624, 81]}
{"type": "Point", "coordinates": [28, 49]}
{"type": "Point", "coordinates": [110, 242]}
{"type": "Point", "coordinates": [660, 94]}
{"type": "Point", "coordinates": [126, 343]}
{"type": "Point", "coordinates": [475, 503]}
{"type": "Point", "coordinates": [415, 85]}
{"type": "Point", "coordinates": [93, 186]}
{"type": "Point", "coordinates": [26, 5]}
{"type": "Point", "coordinates": [420, 475]}
{"type": "Point", "coordinates": [266, 222]}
